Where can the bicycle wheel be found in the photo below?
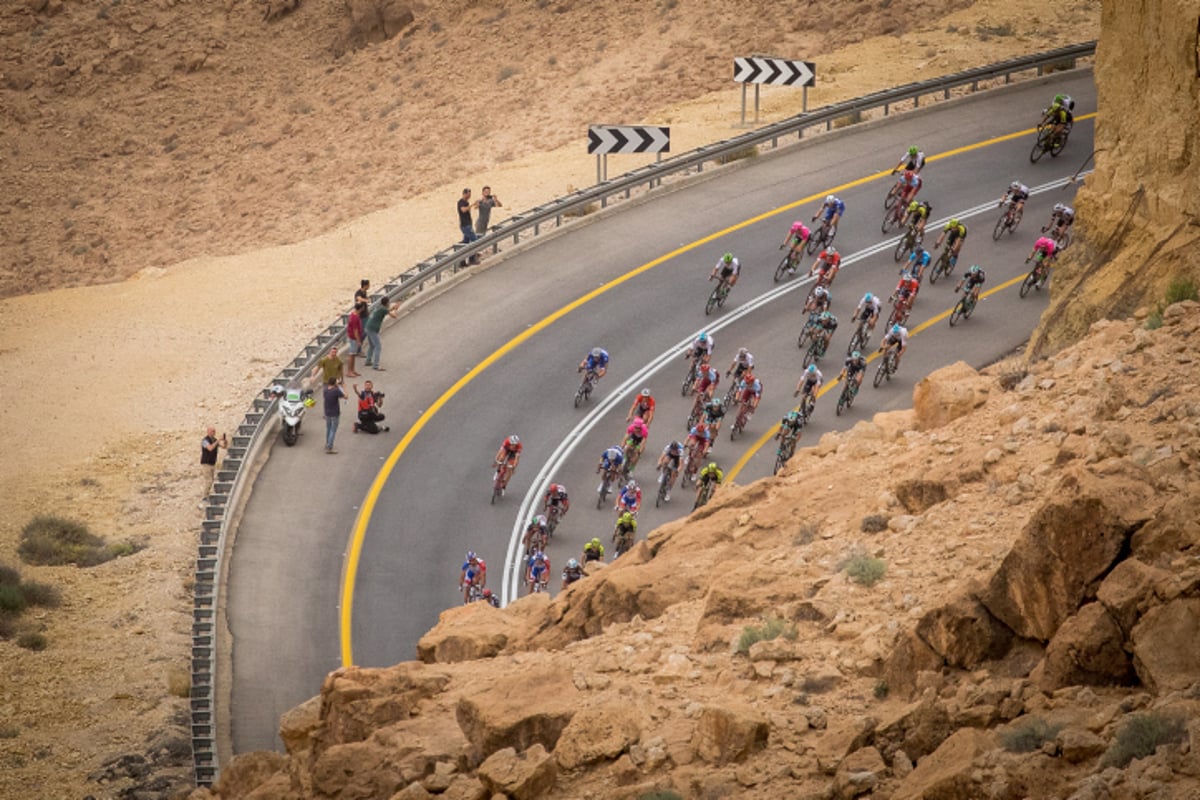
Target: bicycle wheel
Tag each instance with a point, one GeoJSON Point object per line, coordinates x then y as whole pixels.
{"type": "Point", "coordinates": [957, 313]}
{"type": "Point", "coordinates": [841, 403]}
{"type": "Point", "coordinates": [712, 302]}
{"type": "Point", "coordinates": [889, 222]}
{"type": "Point", "coordinates": [968, 307]}
{"type": "Point", "coordinates": [807, 406]}
{"type": "Point", "coordinates": [904, 247]}
{"type": "Point", "coordinates": [782, 269]}
{"type": "Point", "coordinates": [1029, 281]}
{"type": "Point", "coordinates": [689, 381]}
{"type": "Point", "coordinates": [1039, 148]}
{"type": "Point", "coordinates": [779, 462]}
{"type": "Point", "coordinates": [1065, 241]}
{"type": "Point", "coordinates": [1058, 145]}
{"type": "Point", "coordinates": [729, 395]}
{"type": "Point", "coordinates": [892, 195]}
{"type": "Point", "coordinates": [815, 241]}
{"type": "Point", "coordinates": [1016, 220]}
{"type": "Point", "coordinates": [941, 265]}
{"type": "Point", "coordinates": [1001, 226]}
{"type": "Point", "coordinates": [880, 372]}
{"type": "Point", "coordinates": [602, 492]}
{"type": "Point", "coordinates": [722, 293]}
{"type": "Point", "coordinates": [810, 355]}
{"type": "Point", "coordinates": [830, 235]}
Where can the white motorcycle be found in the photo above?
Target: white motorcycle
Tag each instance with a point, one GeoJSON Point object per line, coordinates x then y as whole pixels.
{"type": "Point", "coordinates": [292, 403]}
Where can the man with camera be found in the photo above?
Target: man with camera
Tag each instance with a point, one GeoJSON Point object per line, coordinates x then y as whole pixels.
{"type": "Point", "coordinates": [369, 415]}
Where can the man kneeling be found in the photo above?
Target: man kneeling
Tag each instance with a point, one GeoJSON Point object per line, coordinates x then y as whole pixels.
{"type": "Point", "coordinates": [369, 415]}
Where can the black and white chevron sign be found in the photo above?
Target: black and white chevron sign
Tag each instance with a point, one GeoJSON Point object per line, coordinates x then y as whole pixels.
{"type": "Point", "coordinates": [775, 71]}
{"type": "Point", "coordinates": [604, 139]}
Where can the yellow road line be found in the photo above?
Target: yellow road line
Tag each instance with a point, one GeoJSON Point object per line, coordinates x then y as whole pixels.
{"type": "Point", "coordinates": [929, 323]}
{"type": "Point", "coordinates": [359, 531]}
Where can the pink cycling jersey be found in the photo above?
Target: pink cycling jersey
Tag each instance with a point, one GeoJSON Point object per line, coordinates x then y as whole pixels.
{"type": "Point", "coordinates": [800, 231]}
{"type": "Point", "coordinates": [1046, 245]}
{"type": "Point", "coordinates": [636, 430]}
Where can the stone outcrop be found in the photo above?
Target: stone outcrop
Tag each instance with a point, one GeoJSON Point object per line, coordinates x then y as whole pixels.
{"type": "Point", "coordinates": [724, 735]}
{"type": "Point", "coordinates": [1166, 645]}
{"type": "Point", "coordinates": [964, 633]}
{"type": "Point", "coordinates": [597, 734]}
{"type": "Point", "coordinates": [466, 633]}
{"type": "Point", "coordinates": [949, 771]}
{"type": "Point", "coordinates": [1088, 649]}
{"type": "Point", "coordinates": [947, 394]}
{"type": "Point", "coordinates": [374, 21]}
{"type": "Point", "coordinates": [524, 775]}
{"type": "Point", "coordinates": [535, 711]}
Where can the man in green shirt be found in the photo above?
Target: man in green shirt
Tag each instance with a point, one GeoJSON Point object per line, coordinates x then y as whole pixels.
{"type": "Point", "coordinates": [374, 323]}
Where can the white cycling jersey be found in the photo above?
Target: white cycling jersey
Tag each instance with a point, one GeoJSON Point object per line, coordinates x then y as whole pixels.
{"type": "Point", "coordinates": [814, 377]}
{"type": "Point", "coordinates": [863, 304]}
{"type": "Point", "coordinates": [707, 346]}
{"type": "Point", "coordinates": [901, 337]}
{"type": "Point", "coordinates": [734, 267]}
{"type": "Point", "coordinates": [917, 161]}
{"type": "Point", "coordinates": [745, 360]}
{"type": "Point", "coordinates": [1067, 213]}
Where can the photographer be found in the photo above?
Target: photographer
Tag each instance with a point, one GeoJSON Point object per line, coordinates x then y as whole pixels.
{"type": "Point", "coordinates": [209, 446]}
{"type": "Point", "coordinates": [369, 415]}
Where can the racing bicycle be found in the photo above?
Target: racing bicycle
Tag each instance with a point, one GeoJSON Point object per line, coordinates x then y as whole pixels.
{"type": "Point", "coordinates": [963, 308]}
{"type": "Point", "coordinates": [584, 392]}
{"type": "Point", "coordinates": [717, 298]}
{"type": "Point", "coordinates": [606, 485]}
{"type": "Point", "coordinates": [887, 366]}
{"type": "Point", "coordinates": [822, 237]}
{"type": "Point", "coordinates": [1038, 276]}
{"type": "Point", "coordinates": [846, 398]}
{"type": "Point", "coordinates": [786, 449]}
{"type": "Point", "coordinates": [1010, 218]}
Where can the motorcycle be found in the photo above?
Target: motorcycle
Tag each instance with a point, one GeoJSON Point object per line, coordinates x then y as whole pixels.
{"type": "Point", "coordinates": [292, 403]}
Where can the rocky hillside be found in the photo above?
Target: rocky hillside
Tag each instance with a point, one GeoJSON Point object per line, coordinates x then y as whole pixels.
{"type": "Point", "coordinates": [1138, 213]}
{"type": "Point", "coordinates": [1000, 599]}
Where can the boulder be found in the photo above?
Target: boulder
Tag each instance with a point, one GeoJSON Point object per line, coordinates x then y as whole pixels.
{"type": "Point", "coordinates": [1175, 530]}
{"type": "Point", "coordinates": [297, 726]}
{"type": "Point", "coordinates": [725, 735]}
{"type": "Point", "coordinates": [1078, 745]}
{"type": "Point", "coordinates": [358, 769]}
{"type": "Point", "coordinates": [1131, 589]}
{"type": "Point", "coordinates": [424, 745]}
{"type": "Point", "coordinates": [948, 772]}
{"type": "Point", "coordinates": [1166, 645]}
{"type": "Point", "coordinates": [964, 633]}
{"type": "Point", "coordinates": [947, 394]}
{"type": "Point", "coordinates": [518, 714]}
{"type": "Point", "coordinates": [373, 21]}
{"type": "Point", "coordinates": [1087, 649]}
{"type": "Point", "coordinates": [466, 633]}
{"type": "Point", "coordinates": [525, 775]}
{"type": "Point", "coordinates": [357, 701]}
{"type": "Point", "coordinates": [859, 773]}
{"type": "Point", "coordinates": [245, 773]}
{"type": "Point", "coordinates": [464, 787]}
{"type": "Point", "coordinates": [918, 494]}
{"type": "Point", "coordinates": [841, 739]}
{"type": "Point", "coordinates": [597, 734]}
{"type": "Point", "coordinates": [1066, 547]}
{"type": "Point", "coordinates": [414, 791]}
{"type": "Point", "coordinates": [911, 656]}
{"type": "Point", "coordinates": [918, 728]}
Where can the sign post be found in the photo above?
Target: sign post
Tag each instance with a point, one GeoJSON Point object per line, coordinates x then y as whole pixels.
{"type": "Point", "coordinates": [605, 139]}
{"type": "Point", "coordinates": [774, 71]}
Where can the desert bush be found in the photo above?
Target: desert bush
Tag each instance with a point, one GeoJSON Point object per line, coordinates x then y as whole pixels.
{"type": "Point", "coordinates": [32, 641]}
{"type": "Point", "coordinates": [874, 523]}
{"type": "Point", "coordinates": [1028, 735]}
{"type": "Point", "coordinates": [882, 690]}
{"type": "Point", "coordinates": [864, 569]}
{"type": "Point", "coordinates": [9, 575]}
{"type": "Point", "coordinates": [750, 151]}
{"type": "Point", "coordinates": [1001, 30]}
{"type": "Point", "coordinates": [805, 535]}
{"type": "Point", "coordinates": [9, 732]}
{"type": "Point", "coordinates": [8, 625]}
{"type": "Point", "coordinates": [772, 627]}
{"type": "Point", "coordinates": [55, 541]}
{"type": "Point", "coordinates": [1181, 289]}
{"type": "Point", "coordinates": [1059, 66]}
{"type": "Point", "coordinates": [506, 73]}
{"type": "Point", "coordinates": [1154, 321]}
{"type": "Point", "coordinates": [818, 684]}
{"type": "Point", "coordinates": [12, 599]}
{"type": "Point", "coordinates": [179, 682]}
{"type": "Point", "coordinates": [1141, 735]}
{"type": "Point", "coordinates": [41, 594]}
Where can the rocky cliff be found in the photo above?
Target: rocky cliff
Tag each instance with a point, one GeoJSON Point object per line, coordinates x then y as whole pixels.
{"type": "Point", "coordinates": [1138, 213]}
{"type": "Point", "coordinates": [1001, 599]}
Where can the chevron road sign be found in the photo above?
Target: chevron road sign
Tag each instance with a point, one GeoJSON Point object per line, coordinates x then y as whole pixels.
{"type": "Point", "coordinates": [605, 139]}
{"type": "Point", "coordinates": [774, 71]}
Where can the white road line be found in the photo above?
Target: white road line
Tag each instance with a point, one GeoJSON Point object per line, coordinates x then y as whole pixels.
{"type": "Point", "coordinates": [514, 561]}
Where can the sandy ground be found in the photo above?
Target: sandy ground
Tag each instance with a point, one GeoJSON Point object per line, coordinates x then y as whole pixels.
{"type": "Point", "coordinates": [138, 368]}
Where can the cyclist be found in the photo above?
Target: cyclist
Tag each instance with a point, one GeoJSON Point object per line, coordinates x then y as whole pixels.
{"type": "Point", "coordinates": [853, 369]}
{"type": "Point", "coordinates": [537, 571]}
{"type": "Point", "coordinates": [918, 215]}
{"type": "Point", "coordinates": [973, 279]}
{"type": "Point", "coordinates": [596, 362]}
{"type": "Point", "coordinates": [711, 474]}
{"type": "Point", "coordinates": [750, 391]}
{"type": "Point", "coordinates": [868, 309]}
{"type": "Point", "coordinates": [729, 268]}
{"type": "Point", "coordinates": [571, 573]}
{"type": "Point", "coordinates": [474, 573]}
{"type": "Point", "coordinates": [1061, 218]}
{"type": "Point", "coordinates": [790, 426]}
{"type": "Point", "coordinates": [699, 438]}
{"type": "Point", "coordinates": [896, 337]}
{"type": "Point", "coordinates": [954, 234]}
{"type": "Point", "coordinates": [643, 406]}
{"type": "Point", "coordinates": [1017, 194]}
{"type": "Point", "coordinates": [906, 292]}
{"type": "Point", "coordinates": [809, 383]}
{"type": "Point", "coordinates": [913, 160]}
{"type": "Point", "coordinates": [672, 455]}
{"type": "Point", "coordinates": [819, 300]}
{"type": "Point", "coordinates": [556, 497]}
{"type": "Point", "coordinates": [509, 456]}
{"type": "Point", "coordinates": [629, 499]}
{"type": "Point", "coordinates": [1059, 115]}
{"type": "Point", "coordinates": [796, 239]}
{"type": "Point", "coordinates": [611, 459]}
{"type": "Point", "coordinates": [706, 382]}
{"type": "Point", "coordinates": [490, 598]}
{"type": "Point", "coordinates": [826, 324]}
{"type": "Point", "coordinates": [918, 260]}
{"type": "Point", "coordinates": [827, 264]}
{"type": "Point", "coordinates": [701, 348]}
{"type": "Point", "coordinates": [624, 533]}
{"type": "Point", "coordinates": [636, 434]}
{"type": "Point", "coordinates": [912, 185]}
{"type": "Point", "coordinates": [743, 361]}
{"type": "Point", "coordinates": [593, 551]}
{"type": "Point", "coordinates": [831, 211]}
{"type": "Point", "coordinates": [1047, 246]}
{"type": "Point", "coordinates": [714, 413]}
{"type": "Point", "coordinates": [537, 532]}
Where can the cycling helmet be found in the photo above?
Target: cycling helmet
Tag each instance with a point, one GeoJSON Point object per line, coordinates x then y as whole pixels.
{"type": "Point", "coordinates": [831, 251]}
{"type": "Point", "coordinates": [539, 556]}
{"type": "Point", "coordinates": [727, 258]}
{"type": "Point", "coordinates": [743, 351]}
{"type": "Point", "coordinates": [487, 593]}
{"type": "Point", "coordinates": [896, 328]}
{"type": "Point", "coordinates": [712, 465]}
{"type": "Point", "coordinates": [953, 223]}
{"type": "Point", "coordinates": [596, 352]}
{"type": "Point", "coordinates": [829, 199]}
{"type": "Point", "coordinates": [717, 402]}
{"type": "Point", "coordinates": [868, 297]}
{"type": "Point", "coordinates": [1015, 185]}
{"type": "Point", "coordinates": [1059, 207]}
{"type": "Point", "coordinates": [912, 151]}
{"type": "Point", "coordinates": [812, 369]}
{"type": "Point", "coordinates": [792, 416]}
{"type": "Point", "coordinates": [974, 268]}
{"type": "Point", "coordinates": [1058, 98]}
{"type": "Point", "coordinates": [627, 517]}
{"type": "Point", "coordinates": [645, 392]}
{"type": "Point", "coordinates": [538, 519]}
{"type": "Point", "coordinates": [595, 541]}
{"type": "Point", "coordinates": [820, 291]}
{"type": "Point", "coordinates": [826, 315]}
{"type": "Point", "coordinates": [632, 486]}
{"type": "Point", "coordinates": [703, 337]}
{"type": "Point", "coordinates": [471, 555]}
{"type": "Point", "coordinates": [639, 421]}
{"type": "Point", "coordinates": [572, 564]}
{"type": "Point", "coordinates": [857, 354]}
{"type": "Point", "coordinates": [514, 439]}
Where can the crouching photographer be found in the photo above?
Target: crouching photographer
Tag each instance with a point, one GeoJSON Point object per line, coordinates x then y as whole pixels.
{"type": "Point", "coordinates": [369, 415]}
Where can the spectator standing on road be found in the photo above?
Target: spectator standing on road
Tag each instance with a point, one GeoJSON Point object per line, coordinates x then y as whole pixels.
{"type": "Point", "coordinates": [331, 367]}
{"type": "Point", "coordinates": [371, 329]}
{"type": "Point", "coordinates": [485, 206]}
{"type": "Point", "coordinates": [363, 293]}
{"type": "Point", "coordinates": [354, 333]}
{"type": "Point", "coordinates": [334, 395]}
{"type": "Point", "coordinates": [209, 446]}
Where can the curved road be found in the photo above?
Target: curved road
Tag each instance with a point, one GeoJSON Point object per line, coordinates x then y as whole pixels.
{"type": "Point", "coordinates": [284, 594]}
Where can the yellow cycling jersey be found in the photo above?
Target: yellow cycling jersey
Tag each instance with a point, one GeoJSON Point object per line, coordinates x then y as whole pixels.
{"type": "Point", "coordinates": [711, 474]}
{"type": "Point", "coordinates": [956, 230]}
{"type": "Point", "coordinates": [921, 212]}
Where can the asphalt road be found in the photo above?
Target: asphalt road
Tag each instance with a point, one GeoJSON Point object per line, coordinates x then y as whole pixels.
{"type": "Point", "coordinates": [288, 563]}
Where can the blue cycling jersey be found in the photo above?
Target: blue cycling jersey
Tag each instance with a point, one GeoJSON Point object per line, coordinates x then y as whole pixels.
{"type": "Point", "coordinates": [612, 457]}
{"type": "Point", "coordinates": [594, 362]}
{"type": "Point", "coordinates": [836, 207]}
{"type": "Point", "coordinates": [924, 258]}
